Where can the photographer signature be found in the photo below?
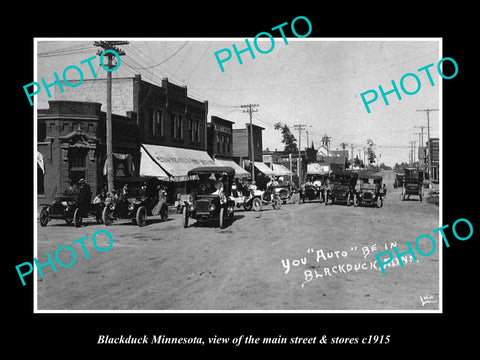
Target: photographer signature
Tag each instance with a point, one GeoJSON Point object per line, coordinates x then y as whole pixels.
{"type": "Point", "coordinates": [427, 300]}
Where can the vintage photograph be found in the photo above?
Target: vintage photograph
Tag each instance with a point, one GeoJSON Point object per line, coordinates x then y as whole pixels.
{"type": "Point", "coordinates": [237, 175]}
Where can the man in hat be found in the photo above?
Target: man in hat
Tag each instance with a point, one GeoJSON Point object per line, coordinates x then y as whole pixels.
{"type": "Point", "coordinates": [85, 194]}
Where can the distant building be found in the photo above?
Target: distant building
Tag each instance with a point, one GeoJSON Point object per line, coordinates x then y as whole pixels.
{"type": "Point", "coordinates": [433, 147]}
{"type": "Point", "coordinates": [242, 144]}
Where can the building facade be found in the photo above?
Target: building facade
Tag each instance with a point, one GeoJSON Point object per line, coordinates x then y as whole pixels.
{"type": "Point", "coordinates": [164, 118]}
{"type": "Point", "coordinates": [165, 114]}
{"type": "Point", "coordinates": [242, 149]}
{"type": "Point", "coordinates": [71, 145]}
{"type": "Point", "coordinates": [220, 138]}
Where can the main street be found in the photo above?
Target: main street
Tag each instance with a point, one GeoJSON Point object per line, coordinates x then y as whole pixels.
{"type": "Point", "coordinates": [163, 266]}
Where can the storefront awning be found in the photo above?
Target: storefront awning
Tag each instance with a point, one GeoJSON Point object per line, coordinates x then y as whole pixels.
{"type": "Point", "coordinates": [239, 171]}
{"type": "Point", "coordinates": [264, 168]}
{"type": "Point", "coordinates": [176, 162]}
{"type": "Point", "coordinates": [40, 161]}
{"type": "Point", "coordinates": [148, 166]}
{"type": "Point", "coordinates": [281, 170]}
{"type": "Point", "coordinates": [318, 169]}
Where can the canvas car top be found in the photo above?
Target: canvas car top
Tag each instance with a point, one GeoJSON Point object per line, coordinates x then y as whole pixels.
{"type": "Point", "coordinates": [212, 169]}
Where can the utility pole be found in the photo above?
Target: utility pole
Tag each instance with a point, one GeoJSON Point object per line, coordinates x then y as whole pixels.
{"type": "Point", "coordinates": [421, 144]}
{"type": "Point", "coordinates": [429, 145]}
{"type": "Point", "coordinates": [250, 110]}
{"type": "Point", "coordinates": [109, 45]}
{"type": "Point", "coordinates": [344, 145]}
{"type": "Point", "coordinates": [299, 127]}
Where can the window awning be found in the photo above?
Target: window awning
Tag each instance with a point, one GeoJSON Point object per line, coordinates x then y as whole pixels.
{"type": "Point", "coordinates": [264, 168]}
{"type": "Point", "coordinates": [176, 162]}
{"type": "Point", "coordinates": [318, 169]}
{"type": "Point", "coordinates": [123, 161]}
{"type": "Point", "coordinates": [239, 171]}
{"type": "Point", "coordinates": [281, 170]}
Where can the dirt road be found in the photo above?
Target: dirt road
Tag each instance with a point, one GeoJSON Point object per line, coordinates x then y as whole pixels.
{"type": "Point", "coordinates": [245, 266]}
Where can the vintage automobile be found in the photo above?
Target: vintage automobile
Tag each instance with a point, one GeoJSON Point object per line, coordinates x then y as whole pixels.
{"type": "Point", "coordinates": [413, 184]}
{"type": "Point", "coordinates": [398, 182]}
{"type": "Point", "coordinates": [283, 192]}
{"type": "Point", "coordinates": [68, 207]}
{"type": "Point", "coordinates": [311, 190]}
{"type": "Point", "coordinates": [208, 203]}
{"type": "Point", "coordinates": [259, 198]}
{"type": "Point", "coordinates": [136, 204]}
{"type": "Point", "coordinates": [370, 191]}
{"type": "Point", "coordinates": [341, 187]}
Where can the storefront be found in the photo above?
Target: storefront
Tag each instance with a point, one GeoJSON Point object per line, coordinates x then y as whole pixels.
{"type": "Point", "coordinates": [172, 165]}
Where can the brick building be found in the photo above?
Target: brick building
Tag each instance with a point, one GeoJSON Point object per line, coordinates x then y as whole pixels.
{"type": "Point", "coordinates": [220, 138]}
{"type": "Point", "coordinates": [71, 144]}
{"type": "Point", "coordinates": [165, 115]}
{"type": "Point", "coordinates": [241, 144]}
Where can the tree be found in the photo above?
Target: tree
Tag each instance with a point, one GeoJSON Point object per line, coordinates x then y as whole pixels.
{"type": "Point", "coordinates": [370, 152]}
{"type": "Point", "coordinates": [287, 137]}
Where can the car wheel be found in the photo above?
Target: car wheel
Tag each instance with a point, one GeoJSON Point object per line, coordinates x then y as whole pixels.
{"type": "Point", "coordinates": [77, 218]}
{"type": "Point", "coordinates": [348, 199]}
{"type": "Point", "coordinates": [141, 216]}
{"type": "Point", "coordinates": [230, 214]}
{"type": "Point", "coordinates": [107, 215]}
{"type": "Point", "coordinates": [247, 206]}
{"type": "Point", "coordinates": [277, 203]}
{"type": "Point", "coordinates": [326, 199]}
{"type": "Point", "coordinates": [257, 204]}
{"type": "Point", "coordinates": [379, 202]}
{"type": "Point", "coordinates": [185, 217]}
{"type": "Point", "coordinates": [44, 217]}
{"type": "Point", "coordinates": [355, 201]}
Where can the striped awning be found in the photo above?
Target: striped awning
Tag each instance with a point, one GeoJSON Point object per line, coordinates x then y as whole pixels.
{"type": "Point", "coordinates": [174, 162]}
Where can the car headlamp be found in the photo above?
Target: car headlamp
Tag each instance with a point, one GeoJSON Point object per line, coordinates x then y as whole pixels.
{"type": "Point", "coordinates": [131, 206]}
{"type": "Point", "coordinates": [191, 207]}
{"type": "Point", "coordinates": [211, 207]}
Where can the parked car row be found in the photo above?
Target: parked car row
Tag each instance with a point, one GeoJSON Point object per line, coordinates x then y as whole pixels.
{"type": "Point", "coordinates": [214, 198]}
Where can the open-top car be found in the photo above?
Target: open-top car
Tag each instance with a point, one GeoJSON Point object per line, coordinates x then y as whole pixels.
{"type": "Point", "coordinates": [413, 183]}
{"type": "Point", "coordinates": [314, 188]}
{"type": "Point", "coordinates": [283, 192]}
{"type": "Point", "coordinates": [71, 209]}
{"type": "Point", "coordinates": [210, 198]}
{"type": "Point", "coordinates": [370, 191]}
{"type": "Point", "coordinates": [137, 199]}
{"type": "Point", "coordinates": [341, 187]}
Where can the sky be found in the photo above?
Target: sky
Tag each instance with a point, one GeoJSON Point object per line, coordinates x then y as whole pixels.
{"type": "Point", "coordinates": [312, 81]}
